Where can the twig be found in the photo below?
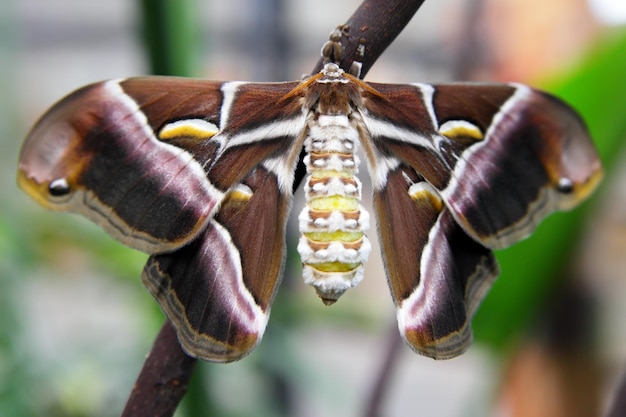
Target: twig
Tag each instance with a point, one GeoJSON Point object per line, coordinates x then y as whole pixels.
{"type": "Point", "coordinates": [163, 379]}
{"type": "Point", "coordinates": [165, 375]}
{"type": "Point", "coordinates": [374, 404]}
{"type": "Point", "coordinates": [618, 406]}
{"type": "Point", "coordinates": [471, 54]}
{"type": "Point", "coordinates": [377, 23]}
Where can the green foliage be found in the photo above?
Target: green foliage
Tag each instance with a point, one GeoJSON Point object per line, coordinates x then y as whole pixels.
{"type": "Point", "coordinates": [170, 33]}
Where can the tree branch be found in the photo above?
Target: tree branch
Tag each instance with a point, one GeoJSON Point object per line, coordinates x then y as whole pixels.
{"type": "Point", "coordinates": [163, 380]}
{"type": "Point", "coordinates": [374, 404]}
{"type": "Point", "coordinates": [377, 23]}
{"type": "Point", "coordinates": [618, 405]}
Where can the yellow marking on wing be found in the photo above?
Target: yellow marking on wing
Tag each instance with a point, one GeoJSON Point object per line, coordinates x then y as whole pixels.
{"type": "Point", "coordinates": [237, 197]}
{"type": "Point", "coordinates": [460, 129]}
{"type": "Point", "coordinates": [40, 191]}
{"type": "Point", "coordinates": [581, 191]}
{"type": "Point", "coordinates": [198, 129]}
{"type": "Point", "coordinates": [419, 192]}
{"type": "Point", "coordinates": [335, 202]}
{"type": "Point", "coordinates": [584, 190]}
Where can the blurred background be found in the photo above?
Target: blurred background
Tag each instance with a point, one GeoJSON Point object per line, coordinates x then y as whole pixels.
{"type": "Point", "coordinates": [76, 323]}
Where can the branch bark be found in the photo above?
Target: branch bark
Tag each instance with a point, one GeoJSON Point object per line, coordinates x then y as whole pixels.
{"type": "Point", "coordinates": [374, 404]}
{"type": "Point", "coordinates": [166, 372]}
{"type": "Point", "coordinates": [378, 23]}
{"type": "Point", "coordinates": [163, 380]}
{"type": "Point", "coordinates": [618, 406]}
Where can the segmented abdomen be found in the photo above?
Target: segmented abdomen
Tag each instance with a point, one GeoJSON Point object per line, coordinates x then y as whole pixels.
{"type": "Point", "coordinates": [333, 245]}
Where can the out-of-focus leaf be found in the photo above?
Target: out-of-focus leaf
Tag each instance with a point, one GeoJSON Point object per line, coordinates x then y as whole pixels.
{"type": "Point", "coordinates": [171, 36]}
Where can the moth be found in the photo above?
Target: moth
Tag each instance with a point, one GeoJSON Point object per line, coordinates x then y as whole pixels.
{"type": "Point", "coordinates": [199, 174]}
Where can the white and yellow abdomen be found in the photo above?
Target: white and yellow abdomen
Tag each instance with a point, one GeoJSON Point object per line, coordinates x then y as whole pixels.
{"type": "Point", "coordinates": [333, 245]}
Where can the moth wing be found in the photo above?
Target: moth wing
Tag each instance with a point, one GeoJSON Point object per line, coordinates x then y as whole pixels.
{"type": "Point", "coordinates": [199, 174]}
{"type": "Point", "coordinates": [217, 291]}
{"type": "Point", "coordinates": [456, 170]}
{"type": "Point", "coordinates": [437, 274]}
{"type": "Point", "coordinates": [502, 156]}
{"type": "Point", "coordinates": [133, 155]}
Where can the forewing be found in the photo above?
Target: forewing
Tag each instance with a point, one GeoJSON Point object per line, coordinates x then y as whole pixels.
{"type": "Point", "coordinates": [502, 156]}
{"type": "Point", "coordinates": [135, 155]}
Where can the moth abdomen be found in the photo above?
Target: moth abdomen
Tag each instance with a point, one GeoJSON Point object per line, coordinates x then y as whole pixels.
{"type": "Point", "coordinates": [333, 245]}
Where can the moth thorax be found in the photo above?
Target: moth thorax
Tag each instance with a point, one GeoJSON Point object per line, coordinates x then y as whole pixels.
{"type": "Point", "coordinates": [333, 245]}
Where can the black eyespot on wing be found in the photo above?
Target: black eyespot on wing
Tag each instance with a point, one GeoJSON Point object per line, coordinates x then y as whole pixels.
{"type": "Point", "coordinates": [565, 186]}
{"type": "Point", "coordinates": [59, 188]}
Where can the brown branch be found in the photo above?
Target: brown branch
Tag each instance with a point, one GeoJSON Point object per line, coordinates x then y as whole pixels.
{"type": "Point", "coordinates": [166, 372]}
{"type": "Point", "coordinates": [163, 380]}
{"type": "Point", "coordinates": [618, 405]}
{"type": "Point", "coordinates": [471, 55]}
{"type": "Point", "coordinates": [377, 23]}
{"type": "Point", "coordinates": [373, 407]}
